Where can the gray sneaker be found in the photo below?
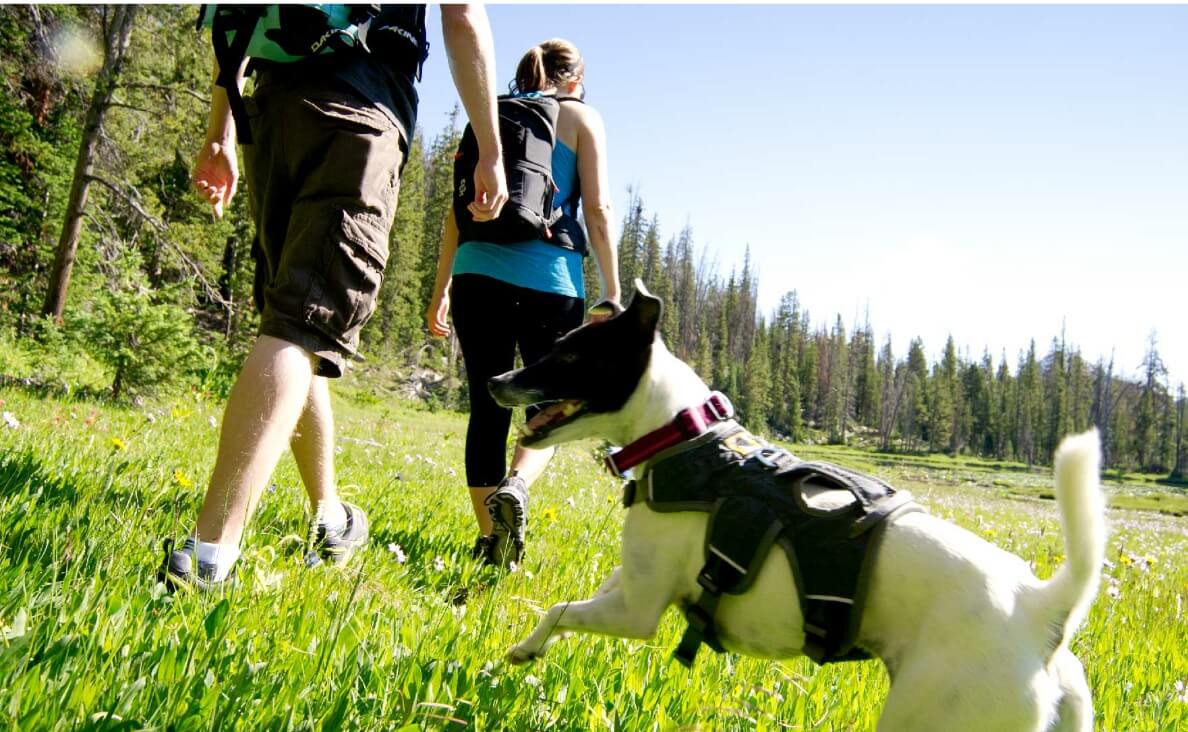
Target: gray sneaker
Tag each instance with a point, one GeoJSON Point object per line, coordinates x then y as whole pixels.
{"type": "Point", "coordinates": [178, 571]}
{"type": "Point", "coordinates": [508, 506]}
{"type": "Point", "coordinates": [337, 547]}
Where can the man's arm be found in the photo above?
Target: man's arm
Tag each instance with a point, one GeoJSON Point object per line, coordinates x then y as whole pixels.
{"type": "Point", "coordinates": [471, 51]}
{"type": "Point", "coordinates": [216, 172]}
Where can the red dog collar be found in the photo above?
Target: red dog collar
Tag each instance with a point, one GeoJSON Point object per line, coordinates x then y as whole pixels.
{"type": "Point", "coordinates": [686, 425]}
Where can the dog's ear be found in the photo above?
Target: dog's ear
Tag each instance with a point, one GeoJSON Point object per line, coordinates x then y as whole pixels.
{"type": "Point", "coordinates": [645, 311]}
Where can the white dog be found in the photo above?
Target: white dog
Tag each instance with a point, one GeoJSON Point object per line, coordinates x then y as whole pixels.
{"type": "Point", "coordinates": [971, 639]}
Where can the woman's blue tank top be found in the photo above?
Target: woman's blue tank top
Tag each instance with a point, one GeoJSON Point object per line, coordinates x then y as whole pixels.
{"type": "Point", "coordinates": [536, 264]}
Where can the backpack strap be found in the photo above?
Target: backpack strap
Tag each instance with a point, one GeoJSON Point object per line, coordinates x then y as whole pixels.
{"type": "Point", "coordinates": [231, 55]}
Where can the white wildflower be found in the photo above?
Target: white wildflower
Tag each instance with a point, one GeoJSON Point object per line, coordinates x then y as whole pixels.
{"type": "Point", "coordinates": [397, 553]}
{"type": "Point", "coordinates": [1181, 692]}
{"type": "Point", "coordinates": [570, 502]}
{"type": "Point", "coordinates": [11, 421]}
{"type": "Point", "coordinates": [214, 423]}
{"type": "Point", "coordinates": [531, 680]}
{"type": "Point", "coordinates": [438, 564]}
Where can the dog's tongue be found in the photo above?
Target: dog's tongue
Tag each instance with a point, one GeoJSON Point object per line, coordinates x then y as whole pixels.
{"type": "Point", "coordinates": [550, 414]}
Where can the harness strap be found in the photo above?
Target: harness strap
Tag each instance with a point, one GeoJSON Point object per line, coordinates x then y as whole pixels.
{"type": "Point", "coordinates": [686, 425]}
{"type": "Point", "coordinates": [718, 575]}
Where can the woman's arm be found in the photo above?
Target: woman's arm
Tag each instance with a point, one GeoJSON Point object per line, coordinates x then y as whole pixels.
{"type": "Point", "coordinates": [436, 317]}
{"type": "Point", "coordinates": [596, 202]}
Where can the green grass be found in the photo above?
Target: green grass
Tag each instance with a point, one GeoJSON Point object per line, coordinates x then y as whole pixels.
{"type": "Point", "coordinates": [89, 641]}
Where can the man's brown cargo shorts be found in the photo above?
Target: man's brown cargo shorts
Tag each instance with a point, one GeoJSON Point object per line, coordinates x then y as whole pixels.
{"type": "Point", "coordinates": [323, 178]}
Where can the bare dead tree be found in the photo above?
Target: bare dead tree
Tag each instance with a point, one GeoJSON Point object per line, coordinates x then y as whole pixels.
{"type": "Point", "coordinates": [117, 33]}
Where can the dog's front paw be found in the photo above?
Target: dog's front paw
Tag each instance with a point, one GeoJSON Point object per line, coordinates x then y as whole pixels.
{"type": "Point", "coordinates": [521, 654]}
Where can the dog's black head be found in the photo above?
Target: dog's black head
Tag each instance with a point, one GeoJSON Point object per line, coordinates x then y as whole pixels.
{"type": "Point", "coordinates": [591, 370]}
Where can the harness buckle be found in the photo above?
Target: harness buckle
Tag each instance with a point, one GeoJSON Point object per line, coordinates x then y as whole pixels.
{"type": "Point", "coordinates": [719, 406]}
{"type": "Point", "coordinates": [612, 466]}
{"type": "Point", "coordinates": [706, 580]}
{"type": "Point", "coordinates": [769, 456]}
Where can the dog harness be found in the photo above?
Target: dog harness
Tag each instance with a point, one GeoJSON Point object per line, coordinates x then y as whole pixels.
{"type": "Point", "coordinates": [827, 519]}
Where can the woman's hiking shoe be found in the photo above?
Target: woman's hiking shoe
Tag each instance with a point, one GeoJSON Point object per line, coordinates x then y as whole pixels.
{"type": "Point", "coordinates": [484, 549]}
{"type": "Point", "coordinates": [508, 506]}
{"type": "Point", "coordinates": [337, 546]}
{"type": "Point", "coordinates": [181, 570]}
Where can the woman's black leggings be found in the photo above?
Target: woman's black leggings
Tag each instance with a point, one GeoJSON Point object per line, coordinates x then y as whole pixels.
{"type": "Point", "coordinates": [491, 318]}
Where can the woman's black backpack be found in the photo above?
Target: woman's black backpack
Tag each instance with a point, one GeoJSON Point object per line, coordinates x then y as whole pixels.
{"type": "Point", "coordinates": [528, 132]}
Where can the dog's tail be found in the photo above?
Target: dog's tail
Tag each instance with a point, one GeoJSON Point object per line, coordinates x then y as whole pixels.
{"type": "Point", "coordinates": [1064, 599]}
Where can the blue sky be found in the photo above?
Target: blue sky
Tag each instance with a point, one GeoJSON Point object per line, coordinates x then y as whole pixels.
{"type": "Point", "coordinates": [993, 172]}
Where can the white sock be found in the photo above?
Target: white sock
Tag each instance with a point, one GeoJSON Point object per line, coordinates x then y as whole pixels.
{"type": "Point", "coordinates": [222, 556]}
{"type": "Point", "coordinates": [333, 516]}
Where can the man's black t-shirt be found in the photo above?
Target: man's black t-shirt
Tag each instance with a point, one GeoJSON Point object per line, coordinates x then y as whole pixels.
{"type": "Point", "coordinates": [392, 92]}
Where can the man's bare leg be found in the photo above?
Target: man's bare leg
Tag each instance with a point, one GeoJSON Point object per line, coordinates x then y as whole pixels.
{"type": "Point", "coordinates": [313, 450]}
{"type": "Point", "coordinates": [267, 400]}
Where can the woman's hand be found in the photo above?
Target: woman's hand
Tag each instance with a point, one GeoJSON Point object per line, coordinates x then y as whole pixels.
{"type": "Point", "coordinates": [436, 317]}
{"type": "Point", "coordinates": [605, 309]}
{"type": "Point", "coordinates": [216, 174]}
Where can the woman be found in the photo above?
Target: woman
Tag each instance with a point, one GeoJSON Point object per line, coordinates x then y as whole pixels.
{"type": "Point", "coordinates": [526, 294]}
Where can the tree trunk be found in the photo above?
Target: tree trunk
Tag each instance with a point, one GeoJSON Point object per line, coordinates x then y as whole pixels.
{"type": "Point", "coordinates": [117, 34]}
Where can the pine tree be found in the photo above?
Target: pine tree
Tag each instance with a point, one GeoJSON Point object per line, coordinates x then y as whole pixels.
{"type": "Point", "coordinates": [892, 389]}
{"type": "Point", "coordinates": [756, 386]}
{"type": "Point", "coordinates": [1004, 424]}
{"type": "Point", "coordinates": [438, 200]}
{"type": "Point", "coordinates": [631, 237]}
{"type": "Point", "coordinates": [914, 411]}
{"type": "Point", "coordinates": [943, 407]}
{"type": "Point", "coordinates": [1146, 419]}
{"type": "Point", "coordinates": [1029, 406]}
{"type": "Point", "coordinates": [397, 325]}
{"type": "Point", "coordinates": [838, 383]}
{"type": "Point", "coordinates": [1180, 466]}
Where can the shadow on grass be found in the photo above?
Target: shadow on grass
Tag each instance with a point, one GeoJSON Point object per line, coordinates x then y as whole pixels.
{"type": "Point", "coordinates": [440, 564]}
{"type": "Point", "coordinates": [62, 391]}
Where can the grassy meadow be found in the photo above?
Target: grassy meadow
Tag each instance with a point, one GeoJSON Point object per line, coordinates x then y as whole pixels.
{"type": "Point", "coordinates": [410, 635]}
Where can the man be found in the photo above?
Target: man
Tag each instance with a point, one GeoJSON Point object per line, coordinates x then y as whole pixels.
{"type": "Point", "coordinates": [329, 138]}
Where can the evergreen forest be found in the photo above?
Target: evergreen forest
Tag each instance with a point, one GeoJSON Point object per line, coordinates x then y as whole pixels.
{"type": "Point", "coordinates": [114, 278]}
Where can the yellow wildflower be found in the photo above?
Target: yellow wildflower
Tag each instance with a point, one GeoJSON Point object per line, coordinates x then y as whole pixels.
{"type": "Point", "coordinates": [549, 514]}
{"type": "Point", "coordinates": [180, 477]}
{"type": "Point", "coordinates": [119, 444]}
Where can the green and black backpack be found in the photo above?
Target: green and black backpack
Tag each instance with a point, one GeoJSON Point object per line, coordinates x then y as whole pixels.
{"type": "Point", "coordinates": [528, 132]}
{"type": "Point", "coordinates": [394, 34]}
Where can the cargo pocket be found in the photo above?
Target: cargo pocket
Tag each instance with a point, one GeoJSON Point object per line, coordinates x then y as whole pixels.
{"type": "Point", "coordinates": [343, 293]}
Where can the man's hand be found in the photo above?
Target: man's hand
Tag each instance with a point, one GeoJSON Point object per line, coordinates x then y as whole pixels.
{"type": "Point", "coordinates": [216, 174]}
{"type": "Point", "coordinates": [437, 314]}
{"type": "Point", "coordinates": [490, 190]}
